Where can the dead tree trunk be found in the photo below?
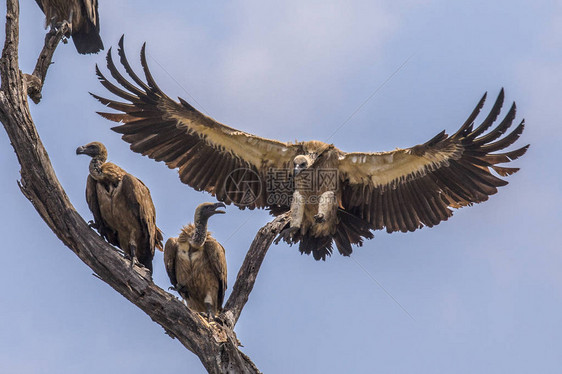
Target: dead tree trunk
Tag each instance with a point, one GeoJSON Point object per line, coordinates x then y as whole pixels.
{"type": "Point", "coordinates": [215, 344]}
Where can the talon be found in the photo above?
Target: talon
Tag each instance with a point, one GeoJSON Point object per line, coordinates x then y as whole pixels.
{"type": "Point", "coordinates": [209, 311]}
{"type": "Point", "coordinates": [206, 316]}
{"type": "Point", "coordinates": [133, 256]}
{"type": "Point", "coordinates": [320, 218]}
{"type": "Point", "coordinates": [287, 235]}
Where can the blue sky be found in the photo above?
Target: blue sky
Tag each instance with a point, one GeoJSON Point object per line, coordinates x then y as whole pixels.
{"type": "Point", "coordinates": [484, 289]}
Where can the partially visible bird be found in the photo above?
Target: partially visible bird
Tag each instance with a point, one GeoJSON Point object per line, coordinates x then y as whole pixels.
{"type": "Point", "coordinates": [82, 17]}
{"type": "Point", "coordinates": [123, 210]}
{"type": "Point", "coordinates": [196, 263]}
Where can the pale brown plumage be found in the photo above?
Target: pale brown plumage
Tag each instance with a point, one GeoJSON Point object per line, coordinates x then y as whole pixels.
{"type": "Point", "coordinates": [122, 207]}
{"type": "Point", "coordinates": [400, 190]}
{"type": "Point", "coordinates": [83, 18]}
{"type": "Point", "coordinates": [196, 263]}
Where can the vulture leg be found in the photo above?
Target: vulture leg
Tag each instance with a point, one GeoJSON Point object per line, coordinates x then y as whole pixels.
{"type": "Point", "coordinates": [133, 256]}
{"type": "Point", "coordinates": [297, 214]}
{"type": "Point", "coordinates": [209, 311]}
{"type": "Point", "coordinates": [209, 306]}
{"type": "Point", "coordinates": [68, 25]}
{"type": "Point", "coordinates": [326, 207]}
{"type": "Point", "coordinates": [67, 34]}
{"type": "Point", "coordinates": [297, 209]}
{"type": "Point", "coordinates": [287, 235]}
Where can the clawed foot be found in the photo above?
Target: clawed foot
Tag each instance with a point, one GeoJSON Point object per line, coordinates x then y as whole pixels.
{"type": "Point", "coordinates": [207, 316]}
{"type": "Point", "coordinates": [67, 29]}
{"type": "Point", "coordinates": [287, 235]}
{"type": "Point", "coordinates": [320, 218]}
{"type": "Point", "coordinates": [133, 256]}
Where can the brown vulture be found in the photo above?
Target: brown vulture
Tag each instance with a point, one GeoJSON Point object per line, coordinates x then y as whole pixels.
{"type": "Point", "coordinates": [122, 207]}
{"type": "Point", "coordinates": [333, 196]}
{"type": "Point", "coordinates": [82, 17]}
{"type": "Point", "coordinates": [196, 264]}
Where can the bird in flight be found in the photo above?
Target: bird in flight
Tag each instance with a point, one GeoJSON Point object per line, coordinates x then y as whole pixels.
{"type": "Point", "coordinates": [333, 196]}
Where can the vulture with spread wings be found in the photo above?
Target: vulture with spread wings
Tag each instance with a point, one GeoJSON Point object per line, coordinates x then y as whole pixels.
{"type": "Point", "coordinates": [333, 196]}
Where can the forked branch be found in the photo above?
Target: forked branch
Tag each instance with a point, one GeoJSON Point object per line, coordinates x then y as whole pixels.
{"type": "Point", "coordinates": [215, 344]}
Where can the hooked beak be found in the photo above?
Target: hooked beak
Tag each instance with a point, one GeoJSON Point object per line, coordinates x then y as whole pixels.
{"type": "Point", "coordinates": [297, 171]}
{"type": "Point", "coordinates": [219, 205]}
{"type": "Point", "coordinates": [81, 150]}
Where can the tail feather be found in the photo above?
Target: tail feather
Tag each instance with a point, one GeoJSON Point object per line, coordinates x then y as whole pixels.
{"type": "Point", "coordinates": [319, 247]}
{"type": "Point", "coordinates": [87, 41]}
{"type": "Point", "coordinates": [351, 230]}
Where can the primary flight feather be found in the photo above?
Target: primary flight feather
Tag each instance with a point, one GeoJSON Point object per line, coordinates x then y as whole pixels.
{"type": "Point", "coordinates": [333, 196]}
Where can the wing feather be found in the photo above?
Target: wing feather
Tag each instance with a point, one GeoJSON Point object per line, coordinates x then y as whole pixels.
{"type": "Point", "coordinates": [406, 189]}
{"type": "Point", "coordinates": [103, 228]}
{"type": "Point", "coordinates": [184, 138]}
{"type": "Point", "coordinates": [140, 202]}
{"type": "Point", "coordinates": [217, 260]}
{"type": "Point", "coordinates": [170, 253]}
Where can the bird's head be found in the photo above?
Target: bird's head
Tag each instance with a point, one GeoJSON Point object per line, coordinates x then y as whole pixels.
{"type": "Point", "coordinates": [302, 162]}
{"type": "Point", "coordinates": [94, 150]}
{"type": "Point", "coordinates": [206, 210]}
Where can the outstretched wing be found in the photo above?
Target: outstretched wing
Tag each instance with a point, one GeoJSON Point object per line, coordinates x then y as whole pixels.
{"type": "Point", "coordinates": [104, 230]}
{"type": "Point", "coordinates": [209, 155]}
{"type": "Point", "coordinates": [170, 252]}
{"type": "Point", "coordinates": [409, 188]}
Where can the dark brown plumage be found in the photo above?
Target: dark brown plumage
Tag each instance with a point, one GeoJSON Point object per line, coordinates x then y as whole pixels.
{"type": "Point", "coordinates": [196, 263]}
{"type": "Point", "coordinates": [83, 18]}
{"type": "Point", "coordinates": [122, 207]}
{"type": "Point", "coordinates": [333, 196]}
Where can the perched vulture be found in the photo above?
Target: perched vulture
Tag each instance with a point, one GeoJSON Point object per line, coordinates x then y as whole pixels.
{"type": "Point", "coordinates": [82, 17]}
{"type": "Point", "coordinates": [196, 264]}
{"type": "Point", "coordinates": [122, 207]}
{"type": "Point", "coordinates": [333, 196]}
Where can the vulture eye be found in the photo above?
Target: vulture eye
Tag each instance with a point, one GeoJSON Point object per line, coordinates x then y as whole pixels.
{"type": "Point", "coordinates": [302, 165]}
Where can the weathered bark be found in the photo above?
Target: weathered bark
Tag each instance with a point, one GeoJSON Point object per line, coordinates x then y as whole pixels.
{"type": "Point", "coordinates": [36, 80]}
{"type": "Point", "coordinates": [249, 270]}
{"type": "Point", "coordinates": [215, 344]}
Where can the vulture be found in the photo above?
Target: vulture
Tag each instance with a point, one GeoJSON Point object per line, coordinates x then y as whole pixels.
{"type": "Point", "coordinates": [196, 264]}
{"type": "Point", "coordinates": [123, 211]}
{"type": "Point", "coordinates": [82, 17]}
{"type": "Point", "coordinates": [332, 196]}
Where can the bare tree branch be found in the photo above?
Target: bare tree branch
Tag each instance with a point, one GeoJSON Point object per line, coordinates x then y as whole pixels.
{"type": "Point", "coordinates": [215, 344]}
{"type": "Point", "coordinates": [36, 80]}
{"type": "Point", "coordinates": [249, 269]}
